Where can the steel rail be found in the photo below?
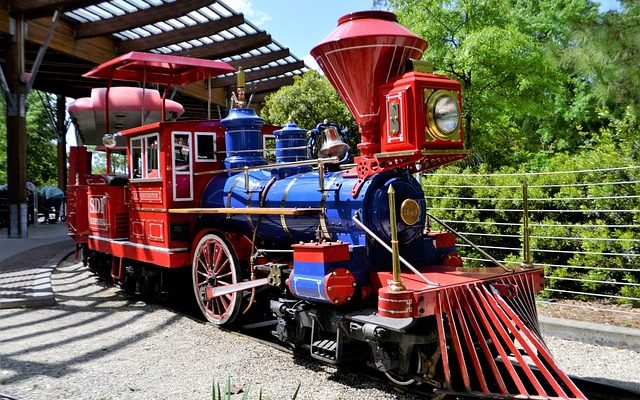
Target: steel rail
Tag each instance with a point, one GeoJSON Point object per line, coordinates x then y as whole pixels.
{"type": "Point", "coordinates": [593, 294]}
{"type": "Point", "coordinates": [560, 278]}
{"type": "Point", "coordinates": [545, 173]}
{"type": "Point", "coordinates": [556, 185]}
{"type": "Point", "coordinates": [541, 199]}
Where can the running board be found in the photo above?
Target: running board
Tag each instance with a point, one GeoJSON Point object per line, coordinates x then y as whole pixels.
{"type": "Point", "coordinates": [477, 326]}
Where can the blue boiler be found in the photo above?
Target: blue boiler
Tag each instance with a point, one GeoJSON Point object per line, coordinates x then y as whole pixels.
{"type": "Point", "coordinates": [303, 191]}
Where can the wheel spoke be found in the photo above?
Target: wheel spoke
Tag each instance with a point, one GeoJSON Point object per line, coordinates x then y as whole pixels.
{"type": "Point", "coordinates": [203, 263]}
{"type": "Point", "coordinates": [220, 276]}
{"type": "Point", "coordinates": [219, 268]}
{"type": "Point", "coordinates": [214, 266]}
{"type": "Point", "coordinates": [203, 274]}
{"type": "Point", "coordinates": [224, 301]}
{"type": "Point", "coordinates": [205, 255]}
{"type": "Point", "coordinates": [218, 256]}
{"type": "Point", "coordinates": [221, 306]}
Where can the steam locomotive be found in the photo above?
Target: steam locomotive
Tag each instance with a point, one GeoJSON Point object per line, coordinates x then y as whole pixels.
{"type": "Point", "coordinates": [340, 258]}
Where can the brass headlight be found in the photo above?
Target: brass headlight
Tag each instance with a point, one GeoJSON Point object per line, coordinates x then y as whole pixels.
{"type": "Point", "coordinates": [446, 114]}
{"type": "Point", "coordinates": [443, 115]}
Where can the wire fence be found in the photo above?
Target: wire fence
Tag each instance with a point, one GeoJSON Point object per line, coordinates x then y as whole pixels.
{"type": "Point", "coordinates": [582, 227]}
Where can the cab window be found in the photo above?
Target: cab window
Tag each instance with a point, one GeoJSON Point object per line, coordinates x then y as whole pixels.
{"type": "Point", "coordinates": [206, 147]}
{"type": "Point", "coordinates": [145, 156]}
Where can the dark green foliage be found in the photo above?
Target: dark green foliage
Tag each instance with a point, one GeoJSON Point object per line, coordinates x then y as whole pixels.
{"type": "Point", "coordinates": [564, 235]}
{"type": "Point", "coordinates": [310, 100]}
{"type": "Point", "coordinates": [41, 142]}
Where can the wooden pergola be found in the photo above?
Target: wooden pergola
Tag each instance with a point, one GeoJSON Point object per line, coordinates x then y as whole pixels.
{"type": "Point", "coordinates": [48, 44]}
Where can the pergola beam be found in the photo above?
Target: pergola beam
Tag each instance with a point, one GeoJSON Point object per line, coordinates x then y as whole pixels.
{"type": "Point", "coordinates": [227, 47]}
{"type": "Point", "coordinates": [139, 18]}
{"type": "Point", "coordinates": [262, 59]}
{"type": "Point", "coordinates": [270, 85]}
{"type": "Point", "coordinates": [180, 35]}
{"type": "Point", "coordinates": [40, 8]}
{"type": "Point", "coordinates": [258, 74]}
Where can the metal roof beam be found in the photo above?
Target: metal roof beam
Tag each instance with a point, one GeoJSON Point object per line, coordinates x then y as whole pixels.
{"type": "Point", "coordinates": [180, 35]}
{"type": "Point", "coordinates": [227, 47]}
{"type": "Point", "coordinates": [258, 74]}
{"type": "Point", "coordinates": [139, 18]}
{"type": "Point", "coordinates": [262, 59]}
{"type": "Point", "coordinates": [41, 8]}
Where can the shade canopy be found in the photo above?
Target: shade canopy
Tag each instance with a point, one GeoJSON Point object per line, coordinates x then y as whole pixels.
{"type": "Point", "coordinates": [159, 68]}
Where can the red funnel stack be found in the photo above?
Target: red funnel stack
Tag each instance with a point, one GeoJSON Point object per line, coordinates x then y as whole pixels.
{"type": "Point", "coordinates": [365, 51]}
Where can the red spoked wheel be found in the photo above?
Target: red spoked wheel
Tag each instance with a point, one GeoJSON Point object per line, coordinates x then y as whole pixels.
{"type": "Point", "coordinates": [214, 264]}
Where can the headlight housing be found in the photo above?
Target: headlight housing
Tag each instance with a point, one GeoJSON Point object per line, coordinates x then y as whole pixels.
{"type": "Point", "coordinates": [443, 113]}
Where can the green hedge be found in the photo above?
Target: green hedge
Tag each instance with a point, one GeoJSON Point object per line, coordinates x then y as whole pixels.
{"type": "Point", "coordinates": [446, 187]}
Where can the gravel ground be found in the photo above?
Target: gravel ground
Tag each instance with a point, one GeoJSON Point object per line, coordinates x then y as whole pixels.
{"type": "Point", "coordinates": [96, 344]}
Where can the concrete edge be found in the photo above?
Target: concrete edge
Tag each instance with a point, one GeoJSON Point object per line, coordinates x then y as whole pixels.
{"type": "Point", "coordinates": [42, 292]}
{"type": "Point", "coordinates": [591, 333]}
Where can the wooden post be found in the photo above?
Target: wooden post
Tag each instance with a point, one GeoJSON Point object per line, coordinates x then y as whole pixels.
{"type": "Point", "coordinates": [17, 130]}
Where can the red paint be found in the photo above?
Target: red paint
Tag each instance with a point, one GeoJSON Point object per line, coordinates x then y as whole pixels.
{"type": "Point", "coordinates": [325, 252]}
{"type": "Point", "coordinates": [408, 93]}
{"type": "Point", "coordinates": [442, 239]}
{"type": "Point", "coordinates": [395, 304]}
{"type": "Point", "coordinates": [339, 286]}
{"type": "Point", "coordinates": [366, 50]}
{"type": "Point", "coordinates": [452, 260]}
{"type": "Point", "coordinates": [424, 295]}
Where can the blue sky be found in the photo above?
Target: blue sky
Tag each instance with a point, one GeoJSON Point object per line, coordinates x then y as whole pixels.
{"type": "Point", "coordinates": [298, 25]}
{"type": "Point", "coordinates": [301, 24]}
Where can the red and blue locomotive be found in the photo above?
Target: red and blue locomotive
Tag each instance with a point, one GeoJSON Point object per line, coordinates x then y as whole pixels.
{"type": "Point", "coordinates": [339, 256]}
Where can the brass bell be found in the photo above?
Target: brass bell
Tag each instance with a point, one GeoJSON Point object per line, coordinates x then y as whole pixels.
{"type": "Point", "coordinates": [332, 144]}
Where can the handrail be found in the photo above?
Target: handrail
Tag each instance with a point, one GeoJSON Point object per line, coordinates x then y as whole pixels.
{"type": "Point", "coordinates": [386, 246]}
{"type": "Point", "coordinates": [319, 161]}
{"type": "Point", "coordinates": [470, 243]}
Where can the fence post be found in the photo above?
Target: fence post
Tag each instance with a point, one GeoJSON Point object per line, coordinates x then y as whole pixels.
{"type": "Point", "coordinates": [525, 224]}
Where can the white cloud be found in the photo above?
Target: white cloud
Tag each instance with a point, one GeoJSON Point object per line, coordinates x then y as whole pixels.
{"type": "Point", "coordinates": [256, 17]}
{"type": "Point", "coordinates": [311, 63]}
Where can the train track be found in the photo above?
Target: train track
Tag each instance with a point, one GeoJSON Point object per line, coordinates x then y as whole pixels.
{"type": "Point", "coordinates": [593, 390]}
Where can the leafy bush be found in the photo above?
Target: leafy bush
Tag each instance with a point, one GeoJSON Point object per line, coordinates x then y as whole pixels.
{"type": "Point", "coordinates": [572, 233]}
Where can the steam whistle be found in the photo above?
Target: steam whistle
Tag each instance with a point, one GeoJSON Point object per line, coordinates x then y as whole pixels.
{"type": "Point", "coordinates": [238, 96]}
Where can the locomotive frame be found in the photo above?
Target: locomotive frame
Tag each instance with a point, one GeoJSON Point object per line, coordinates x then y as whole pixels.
{"type": "Point", "coordinates": [338, 262]}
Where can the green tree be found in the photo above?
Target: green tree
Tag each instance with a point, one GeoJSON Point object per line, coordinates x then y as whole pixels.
{"type": "Point", "coordinates": [41, 141]}
{"type": "Point", "coordinates": [310, 100]}
{"type": "Point", "coordinates": [607, 53]}
{"type": "Point", "coordinates": [518, 100]}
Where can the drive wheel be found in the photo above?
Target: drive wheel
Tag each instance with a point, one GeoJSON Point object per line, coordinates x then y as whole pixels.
{"type": "Point", "coordinates": [214, 265]}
